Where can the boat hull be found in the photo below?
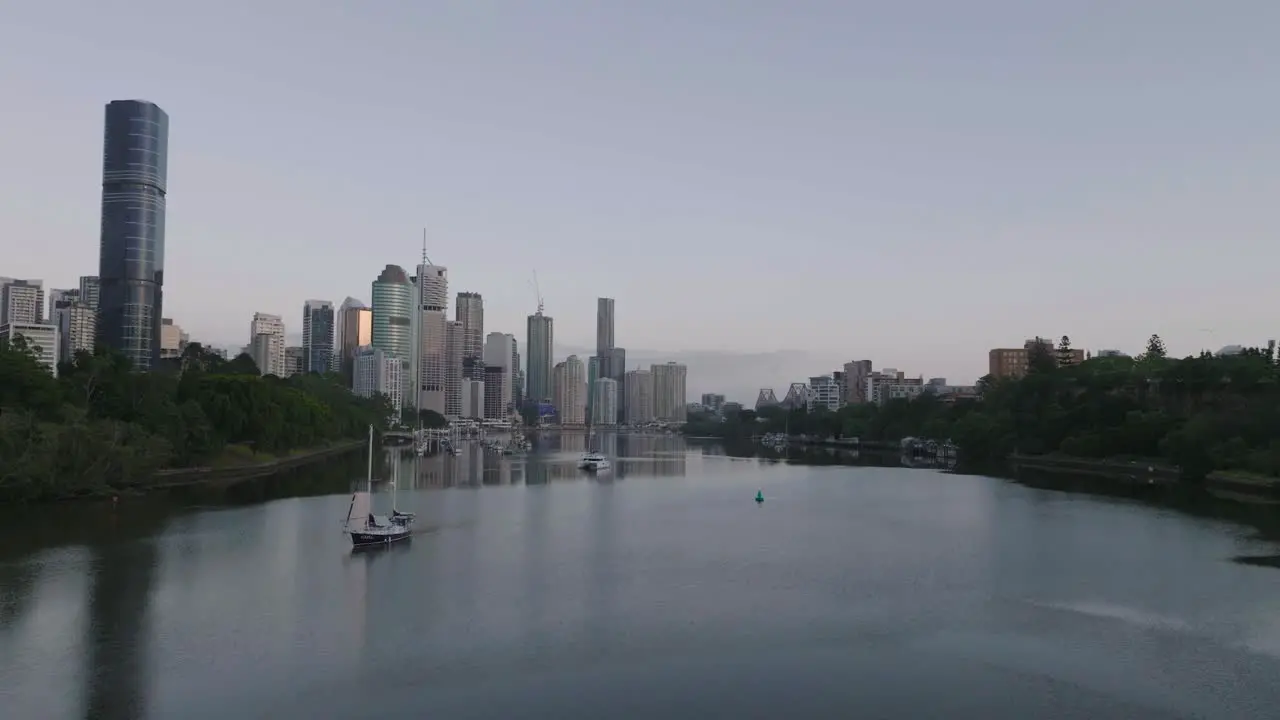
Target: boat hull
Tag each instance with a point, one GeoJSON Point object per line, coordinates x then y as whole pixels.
{"type": "Point", "coordinates": [363, 539]}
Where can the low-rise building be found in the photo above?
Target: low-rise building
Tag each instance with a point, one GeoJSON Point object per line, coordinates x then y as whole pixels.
{"type": "Point", "coordinates": [40, 339]}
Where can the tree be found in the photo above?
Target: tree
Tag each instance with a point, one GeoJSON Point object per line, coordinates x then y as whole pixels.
{"type": "Point", "coordinates": [1065, 356]}
{"type": "Point", "coordinates": [100, 426]}
{"type": "Point", "coordinates": [1155, 349]}
{"type": "Point", "coordinates": [242, 364]}
{"type": "Point", "coordinates": [1040, 357]}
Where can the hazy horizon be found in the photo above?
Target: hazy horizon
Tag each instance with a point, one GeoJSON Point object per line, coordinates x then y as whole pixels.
{"type": "Point", "coordinates": [914, 184]}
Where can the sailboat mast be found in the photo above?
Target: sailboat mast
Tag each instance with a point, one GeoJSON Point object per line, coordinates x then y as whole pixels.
{"type": "Point", "coordinates": [369, 476]}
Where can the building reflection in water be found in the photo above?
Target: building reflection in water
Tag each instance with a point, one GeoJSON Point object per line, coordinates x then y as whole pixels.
{"type": "Point", "coordinates": [555, 458]}
{"type": "Point", "coordinates": [116, 640]}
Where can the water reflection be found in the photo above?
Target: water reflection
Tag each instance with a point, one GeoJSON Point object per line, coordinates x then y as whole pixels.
{"type": "Point", "coordinates": [115, 634]}
{"type": "Point", "coordinates": [554, 458]}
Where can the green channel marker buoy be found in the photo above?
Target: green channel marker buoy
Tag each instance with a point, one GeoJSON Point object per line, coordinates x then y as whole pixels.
{"type": "Point", "coordinates": [760, 496]}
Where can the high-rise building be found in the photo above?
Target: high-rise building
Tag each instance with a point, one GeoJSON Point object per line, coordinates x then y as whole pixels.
{"type": "Point", "coordinates": [516, 374]}
{"type": "Point", "coordinates": [89, 291]}
{"type": "Point", "coordinates": [393, 318]}
{"type": "Point", "coordinates": [638, 387]}
{"type": "Point", "coordinates": [172, 340]}
{"type": "Point", "coordinates": [470, 313]}
{"type": "Point", "coordinates": [539, 344]}
{"type": "Point", "coordinates": [604, 327]}
{"type": "Point", "coordinates": [21, 301]}
{"type": "Point", "coordinates": [594, 364]}
{"type": "Point", "coordinates": [317, 336]}
{"type": "Point", "coordinates": [617, 369]}
{"type": "Point", "coordinates": [606, 402]}
{"type": "Point", "coordinates": [41, 339]}
{"type": "Point", "coordinates": [135, 159]}
{"type": "Point", "coordinates": [266, 343]}
{"type": "Point", "coordinates": [267, 352]}
{"type": "Point", "coordinates": [432, 282]}
{"type": "Point", "coordinates": [669, 396]}
{"type": "Point", "coordinates": [354, 329]}
{"type": "Point", "coordinates": [74, 321]}
{"type": "Point", "coordinates": [855, 381]}
{"type": "Point", "coordinates": [499, 351]}
{"type": "Point", "coordinates": [57, 296]}
{"type": "Point", "coordinates": [570, 382]}
{"type": "Point", "coordinates": [295, 360]}
{"type": "Point", "coordinates": [495, 392]}
{"type": "Point", "coordinates": [453, 369]}
{"type": "Point", "coordinates": [377, 372]}
{"type": "Point", "coordinates": [472, 399]}
{"type": "Point", "coordinates": [393, 313]}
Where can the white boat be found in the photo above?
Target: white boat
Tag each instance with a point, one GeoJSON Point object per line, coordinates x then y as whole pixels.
{"type": "Point", "coordinates": [594, 462]}
{"type": "Point", "coordinates": [367, 529]}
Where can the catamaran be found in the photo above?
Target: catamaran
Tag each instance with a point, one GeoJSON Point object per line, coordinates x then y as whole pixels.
{"type": "Point", "coordinates": [593, 460]}
{"type": "Point", "coordinates": [367, 529]}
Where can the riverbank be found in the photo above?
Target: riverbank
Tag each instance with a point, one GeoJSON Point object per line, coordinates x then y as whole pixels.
{"type": "Point", "coordinates": [240, 463]}
{"type": "Point", "coordinates": [237, 463]}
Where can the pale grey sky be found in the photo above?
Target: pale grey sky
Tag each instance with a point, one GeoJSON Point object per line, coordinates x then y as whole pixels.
{"type": "Point", "coordinates": [913, 182]}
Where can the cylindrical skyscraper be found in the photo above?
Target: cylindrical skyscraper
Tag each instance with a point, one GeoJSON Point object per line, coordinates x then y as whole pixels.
{"type": "Point", "coordinates": [135, 163]}
{"type": "Point", "coordinates": [393, 313]}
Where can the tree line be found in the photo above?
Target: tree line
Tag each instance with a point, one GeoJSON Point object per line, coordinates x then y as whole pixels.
{"type": "Point", "coordinates": [1201, 413]}
{"type": "Point", "coordinates": [99, 426]}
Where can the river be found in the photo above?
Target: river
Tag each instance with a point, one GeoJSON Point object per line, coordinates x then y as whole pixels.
{"type": "Point", "coordinates": [663, 591]}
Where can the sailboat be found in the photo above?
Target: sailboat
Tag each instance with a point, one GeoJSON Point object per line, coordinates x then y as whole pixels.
{"type": "Point", "coordinates": [365, 528]}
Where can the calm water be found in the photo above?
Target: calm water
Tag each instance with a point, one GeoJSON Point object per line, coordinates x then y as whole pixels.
{"type": "Point", "coordinates": [665, 592]}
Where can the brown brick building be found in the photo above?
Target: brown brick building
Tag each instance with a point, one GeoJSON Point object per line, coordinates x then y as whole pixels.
{"type": "Point", "coordinates": [1012, 362]}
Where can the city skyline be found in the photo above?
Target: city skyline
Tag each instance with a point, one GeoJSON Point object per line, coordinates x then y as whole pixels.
{"type": "Point", "coordinates": [965, 174]}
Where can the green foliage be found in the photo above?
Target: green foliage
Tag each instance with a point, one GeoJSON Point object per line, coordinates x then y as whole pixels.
{"type": "Point", "coordinates": [101, 427]}
{"type": "Point", "coordinates": [1201, 413]}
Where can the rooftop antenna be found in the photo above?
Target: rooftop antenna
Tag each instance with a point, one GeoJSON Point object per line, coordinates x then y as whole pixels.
{"type": "Point", "coordinates": [425, 260]}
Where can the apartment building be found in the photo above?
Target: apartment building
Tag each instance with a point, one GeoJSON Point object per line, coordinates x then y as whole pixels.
{"type": "Point", "coordinates": [1015, 362]}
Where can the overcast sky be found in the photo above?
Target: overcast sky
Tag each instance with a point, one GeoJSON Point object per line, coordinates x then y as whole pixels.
{"type": "Point", "coordinates": [913, 182]}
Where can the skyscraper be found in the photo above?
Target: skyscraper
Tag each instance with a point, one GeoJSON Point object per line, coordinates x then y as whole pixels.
{"type": "Point", "coordinates": [354, 330]}
{"type": "Point", "coordinates": [432, 283]}
{"type": "Point", "coordinates": [317, 336]}
{"type": "Point", "coordinates": [539, 343]}
{"type": "Point", "coordinates": [470, 312]}
{"type": "Point", "coordinates": [499, 350]}
{"type": "Point", "coordinates": [453, 387]}
{"type": "Point", "coordinates": [604, 328]}
{"type": "Point", "coordinates": [606, 402]}
{"type": "Point", "coordinates": [135, 159]}
{"type": "Point", "coordinates": [571, 390]}
{"type": "Point", "coordinates": [669, 396]}
{"type": "Point", "coordinates": [89, 291]}
{"type": "Point", "coordinates": [638, 387]}
{"type": "Point", "coordinates": [393, 311]}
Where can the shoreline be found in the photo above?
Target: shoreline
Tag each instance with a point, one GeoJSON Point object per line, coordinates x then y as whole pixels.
{"type": "Point", "coordinates": [180, 477]}
{"type": "Point", "coordinates": [1121, 474]}
{"type": "Point", "coordinates": [204, 476]}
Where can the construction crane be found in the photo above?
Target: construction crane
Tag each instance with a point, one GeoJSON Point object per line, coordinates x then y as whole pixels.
{"type": "Point", "coordinates": [537, 291]}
